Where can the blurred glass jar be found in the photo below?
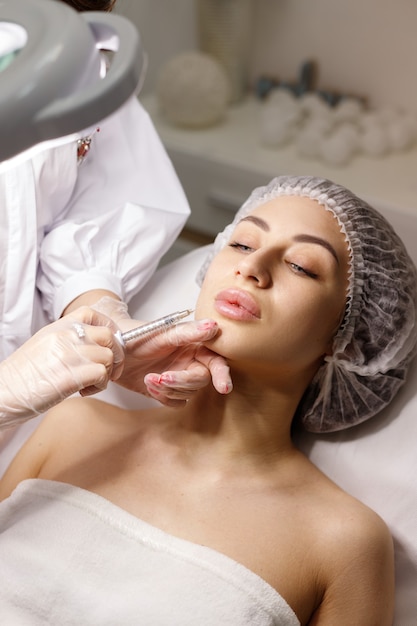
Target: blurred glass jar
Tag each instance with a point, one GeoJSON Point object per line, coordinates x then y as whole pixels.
{"type": "Point", "coordinates": [224, 31]}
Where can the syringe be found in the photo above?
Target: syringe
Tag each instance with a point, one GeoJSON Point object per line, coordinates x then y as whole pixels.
{"type": "Point", "coordinates": [150, 329]}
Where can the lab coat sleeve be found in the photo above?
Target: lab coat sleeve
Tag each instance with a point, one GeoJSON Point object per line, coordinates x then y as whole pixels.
{"type": "Point", "coordinates": [126, 210]}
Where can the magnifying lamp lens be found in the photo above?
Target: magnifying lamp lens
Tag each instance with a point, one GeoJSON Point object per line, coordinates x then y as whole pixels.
{"type": "Point", "coordinates": [54, 82]}
{"type": "Point", "coordinates": [13, 38]}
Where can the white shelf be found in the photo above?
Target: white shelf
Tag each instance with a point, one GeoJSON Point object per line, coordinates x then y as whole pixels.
{"type": "Point", "coordinates": [219, 167]}
{"type": "Point", "coordinates": [388, 181]}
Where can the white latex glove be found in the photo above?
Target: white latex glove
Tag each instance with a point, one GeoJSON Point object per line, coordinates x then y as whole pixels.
{"type": "Point", "coordinates": [173, 365]}
{"type": "Point", "coordinates": [76, 353]}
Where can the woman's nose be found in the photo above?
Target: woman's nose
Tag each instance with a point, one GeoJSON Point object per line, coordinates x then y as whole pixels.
{"type": "Point", "coordinates": [254, 267]}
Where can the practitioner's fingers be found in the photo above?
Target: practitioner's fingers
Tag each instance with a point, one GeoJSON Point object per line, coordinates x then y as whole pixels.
{"type": "Point", "coordinates": [218, 368]}
{"type": "Point", "coordinates": [168, 396]}
{"type": "Point", "coordinates": [173, 388]}
{"type": "Point", "coordinates": [177, 385]}
{"type": "Point", "coordinates": [180, 335]}
{"type": "Point", "coordinates": [94, 328]}
{"type": "Point", "coordinates": [76, 353]}
{"type": "Point", "coordinates": [172, 351]}
{"type": "Point", "coordinates": [96, 368]}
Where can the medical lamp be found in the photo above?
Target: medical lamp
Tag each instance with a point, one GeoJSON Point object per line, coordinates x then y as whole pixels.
{"type": "Point", "coordinates": [55, 79]}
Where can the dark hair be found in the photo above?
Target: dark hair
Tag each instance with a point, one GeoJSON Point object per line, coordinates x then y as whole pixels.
{"type": "Point", "coordinates": [91, 5]}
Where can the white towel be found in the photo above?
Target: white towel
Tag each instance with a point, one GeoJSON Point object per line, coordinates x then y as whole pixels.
{"type": "Point", "coordinates": [71, 557]}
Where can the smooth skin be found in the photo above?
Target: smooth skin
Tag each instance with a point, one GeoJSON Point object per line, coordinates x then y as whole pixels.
{"type": "Point", "coordinates": [222, 471]}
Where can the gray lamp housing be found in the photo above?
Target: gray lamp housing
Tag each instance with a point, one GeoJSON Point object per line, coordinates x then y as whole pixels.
{"type": "Point", "coordinates": [55, 85]}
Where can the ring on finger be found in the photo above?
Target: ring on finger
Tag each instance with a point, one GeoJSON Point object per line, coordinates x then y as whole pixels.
{"type": "Point", "coordinates": [79, 329]}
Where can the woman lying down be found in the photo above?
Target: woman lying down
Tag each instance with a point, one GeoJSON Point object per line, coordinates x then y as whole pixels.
{"type": "Point", "coordinates": [208, 514]}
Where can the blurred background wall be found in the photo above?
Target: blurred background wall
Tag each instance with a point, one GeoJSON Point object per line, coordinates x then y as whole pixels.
{"type": "Point", "coordinates": [363, 47]}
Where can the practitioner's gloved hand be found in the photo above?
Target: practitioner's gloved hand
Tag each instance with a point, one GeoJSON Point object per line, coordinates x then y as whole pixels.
{"type": "Point", "coordinates": [182, 364]}
{"type": "Point", "coordinates": [173, 365]}
{"type": "Point", "coordinates": [76, 353]}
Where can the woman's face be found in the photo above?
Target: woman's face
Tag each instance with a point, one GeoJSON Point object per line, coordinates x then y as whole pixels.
{"type": "Point", "coordinates": [278, 288]}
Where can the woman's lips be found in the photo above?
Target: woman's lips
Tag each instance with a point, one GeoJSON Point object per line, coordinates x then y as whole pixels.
{"type": "Point", "coordinates": [237, 304]}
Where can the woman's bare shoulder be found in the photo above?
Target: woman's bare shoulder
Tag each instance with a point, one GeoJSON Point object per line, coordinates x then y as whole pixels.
{"type": "Point", "coordinates": [357, 557]}
{"type": "Point", "coordinates": [86, 413]}
{"type": "Point", "coordinates": [354, 529]}
{"type": "Point", "coordinates": [77, 407]}
{"type": "Point", "coordinates": [73, 425]}
{"type": "Point", "coordinates": [350, 524]}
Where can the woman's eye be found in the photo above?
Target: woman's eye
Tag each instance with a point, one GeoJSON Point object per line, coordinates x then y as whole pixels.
{"type": "Point", "coordinates": [240, 246]}
{"type": "Point", "coordinates": [301, 270]}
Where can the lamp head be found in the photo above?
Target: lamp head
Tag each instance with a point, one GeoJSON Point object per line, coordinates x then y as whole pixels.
{"type": "Point", "coordinates": [54, 81]}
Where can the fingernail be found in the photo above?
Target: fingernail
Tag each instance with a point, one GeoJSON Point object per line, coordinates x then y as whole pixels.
{"type": "Point", "coordinates": [206, 324]}
{"type": "Point", "coordinates": [166, 379]}
{"type": "Point", "coordinates": [154, 379]}
{"type": "Point", "coordinates": [226, 388]}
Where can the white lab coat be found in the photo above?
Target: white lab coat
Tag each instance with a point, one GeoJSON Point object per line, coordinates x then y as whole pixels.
{"type": "Point", "coordinates": [67, 228]}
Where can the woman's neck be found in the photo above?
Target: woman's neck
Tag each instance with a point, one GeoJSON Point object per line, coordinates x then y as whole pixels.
{"type": "Point", "coordinates": [254, 421]}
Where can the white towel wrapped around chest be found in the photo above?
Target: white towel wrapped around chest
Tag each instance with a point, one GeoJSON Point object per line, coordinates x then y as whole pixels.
{"type": "Point", "coordinates": [68, 556]}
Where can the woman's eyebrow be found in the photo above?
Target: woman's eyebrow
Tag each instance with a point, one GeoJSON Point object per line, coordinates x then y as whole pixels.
{"type": "Point", "coordinates": [256, 220]}
{"type": "Point", "coordinates": [319, 241]}
{"type": "Point", "coordinates": [302, 238]}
